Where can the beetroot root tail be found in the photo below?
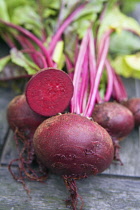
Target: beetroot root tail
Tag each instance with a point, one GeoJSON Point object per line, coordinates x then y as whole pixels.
{"type": "Point", "coordinates": [70, 184]}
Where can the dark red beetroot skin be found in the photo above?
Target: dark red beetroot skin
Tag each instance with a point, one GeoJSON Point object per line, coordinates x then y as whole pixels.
{"type": "Point", "coordinates": [133, 104]}
{"type": "Point", "coordinates": [19, 115]}
{"type": "Point", "coordinates": [115, 118]}
{"type": "Point", "coordinates": [49, 92]}
{"type": "Point", "coordinates": [72, 145]}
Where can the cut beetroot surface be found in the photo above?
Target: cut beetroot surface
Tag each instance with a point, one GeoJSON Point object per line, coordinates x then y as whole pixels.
{"type": "Point", "coordinates": [49, 92]}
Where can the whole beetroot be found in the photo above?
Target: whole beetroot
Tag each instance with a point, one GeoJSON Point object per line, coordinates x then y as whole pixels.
{"type": "Point", "coordinates": [21, 117]}
{"type": "Point", "coordinates": [23, 121]}
{"type": "Point", "coordinates": [116, 119]}
{"type": "Point", "coordinates": [72, 145]}
{"type": "Point", "coordinates": [133, 104]}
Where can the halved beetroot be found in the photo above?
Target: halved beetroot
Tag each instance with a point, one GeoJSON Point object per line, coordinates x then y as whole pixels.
{"type": "Point", "coordinates": [49, 91]}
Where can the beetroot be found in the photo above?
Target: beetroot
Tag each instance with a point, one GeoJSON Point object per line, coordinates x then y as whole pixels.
{"type": "Point", "coordinates": [21, 117]}
{"type": "Point", "coordinates": [116, 119]}
{"type": "Point", "coordinates": [23, 121]}
{"type": "Point", "coordinates": [133, 104]}
{"type": "Point", "coordinates": [49, 92]}
{"type": "Point", "coordinates": [72, 145]}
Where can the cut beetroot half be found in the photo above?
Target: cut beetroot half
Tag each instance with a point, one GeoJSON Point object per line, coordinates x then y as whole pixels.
{"type": "Point", "coordinates": [49, 91]}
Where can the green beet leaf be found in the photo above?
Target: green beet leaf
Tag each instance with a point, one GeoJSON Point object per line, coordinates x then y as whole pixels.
{"type": "Point", "coordinates": [20, 59]}
{"type": "Point", "coordinates": [133, 61]}
{"type": "Point", "coordinates": [127, 65]}
{"type": "Point", "coordinates": [120, 47]}
{"type": "Point", "coordinates": [3, 62]}
{"type": "Point", "coordinates": [3, 11]}
{"type": "Point", "coordinates": [115, 19]}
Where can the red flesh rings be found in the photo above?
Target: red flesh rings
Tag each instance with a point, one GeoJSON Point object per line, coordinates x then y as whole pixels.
{"type": "Point", "coordinates": [49, 91]}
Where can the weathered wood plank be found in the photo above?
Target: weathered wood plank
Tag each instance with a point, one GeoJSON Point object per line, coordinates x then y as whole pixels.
{"type": "Point", "coordinates": [6, 95]}
{"type": "Point", "coordinates": [9, 150]}
{"type": "Point", "coordinates": [137, 84]}
{"type": "Point", "coordinates": [98, 193]}
{"type": "Point", "coordinates": [130, 155]}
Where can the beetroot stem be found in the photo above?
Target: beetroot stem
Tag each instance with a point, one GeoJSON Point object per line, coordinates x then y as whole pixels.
{"type": "Point", "coordinates": [102, 44]}
{"type": "Point", "coordinates": [103, 51]}
{"type": "Point", "coordinates": [84, 84]}
{"type": "Point", "coordinates": [29, 48]}
{"type": "Point", "coordinates": [123, 90]}
{"type": "Point", "coordinates": [109, 81]}
{"type": "Point", "coordinates": [33, 38]}
{"type": "Point", "coordinates": [37, 54]}
{"type": "Point", "coordinates": [61, 29]}
{"type": "Point", "coordinates": [8, 40]}
{"type": "Point", "coordinates": [116, 88]}
{"type": "Point", "coordinates": [92, 58]}
{"type": "Point", "coordinates": [69, 66]}
{"type": "Point", "coordinates": [75, 106]}
{"type": "Point", "coordinates": [119, 91]}
{"type": "Point", "coordinates": [132, 31]}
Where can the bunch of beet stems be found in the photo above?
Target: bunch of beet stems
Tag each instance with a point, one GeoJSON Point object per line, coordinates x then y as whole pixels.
{"type": "Point", "coordinates": [119, 92]}
{"type": "Point", "coordinates": [88, 72]}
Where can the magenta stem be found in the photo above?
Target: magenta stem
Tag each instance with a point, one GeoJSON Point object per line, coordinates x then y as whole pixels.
{"type": "Point", "coordinates": [33, 38]}
{"type": "Point", "coordinates": [132, 31]}
{"type": "Point", "coordinates": [9, 40]}
{"type": "Point", "coordinates": [76, 50]}
{"type": "Point", "coordinates": [69, 66]}
{"type": "Point", "coordinates": [109, 88]}
{"type": "Point", "coordinates": [123, 89]}
{"type": "Point", "coordinates": [116, 89]}
{"type": "Point", "coordinates": [102, 43]}
{"type": "Point", "coordinates": [15, 77]}
{"type": "Point", "coordinates": [84, 83]}
{"type": "Point", "coordinates": [75, 104]}
{"type": "Point", "coordinates": [119, 91]}
{"type": "Point", "coordinates": [61, 29]}
{"type": "Point", "coordinates": [92, 58]}
{"type": "Point", "coordinates": [60, 15]}
{"type": "Point", "coordinates": [103, 51]}
{"type": "Point", "coordinates": [37, 54]}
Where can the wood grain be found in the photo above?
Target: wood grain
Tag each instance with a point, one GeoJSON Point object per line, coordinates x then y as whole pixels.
{"type": "Point", "coordinates": [98, 193]}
